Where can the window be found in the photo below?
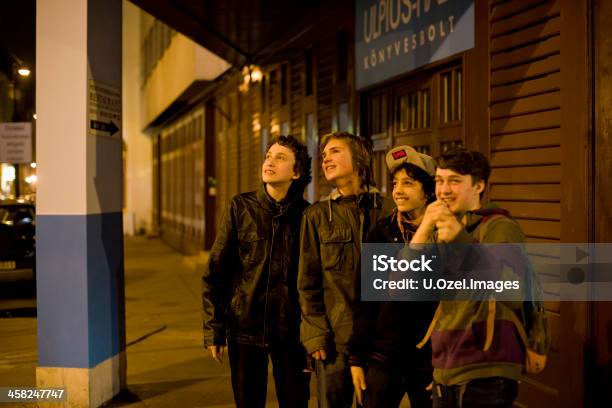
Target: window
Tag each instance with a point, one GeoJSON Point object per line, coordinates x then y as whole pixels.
{"type": "Point", "coordinates": [265, 136]}
{"type": "Point", "coordinates": [446, 147]}
{"type": "Point", "coordinates": [312, 143]}
{"type": "Point", "coordinates": [451, 95]}
{"type": "Point", "coordinates": [426, 149]}
{"type": "Point", "coordinates": [414, 110]}
{"type": "Point", "coordinates": [264, 104]}
{"type": "Point", "coordinates": [378, 114]}
{"type": "Point", "coordinates": [284, 84]}
{"type": "Point", "coordinates": [343, 117]}
{"type": "Point", "coordinates": [342, 56]}
{"type": "Point", "coordinates": [309, 77]}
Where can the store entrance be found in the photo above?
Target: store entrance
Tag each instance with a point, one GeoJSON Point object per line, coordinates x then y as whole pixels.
{"type": "Point", "coordinates": [425, 112]}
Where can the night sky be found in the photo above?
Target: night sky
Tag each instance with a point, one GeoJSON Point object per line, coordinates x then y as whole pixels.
{"type": "Point", "coordinates": [18, 37]}
{"type": "Point", "coordinates": [18, 28]}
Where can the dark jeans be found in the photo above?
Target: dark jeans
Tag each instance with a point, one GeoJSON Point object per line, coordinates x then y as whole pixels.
{"type": "Point", "coordinates": [386, 386]}
{"type": "Point", "coordinates": [249, 366]}
{"type": "Point", "coordinates": [493, 392]}
{"type": "Point", "coordinates": [334, 382]}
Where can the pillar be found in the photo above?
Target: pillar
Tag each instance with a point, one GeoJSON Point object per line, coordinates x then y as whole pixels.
{"type": "Point", "coordinates": [80, 292]}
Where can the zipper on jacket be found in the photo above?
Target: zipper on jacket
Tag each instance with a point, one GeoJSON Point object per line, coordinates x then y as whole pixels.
{"type": "Point", "coordinates": [265, 344]}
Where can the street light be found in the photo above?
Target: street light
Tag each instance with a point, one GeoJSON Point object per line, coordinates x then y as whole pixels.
{"type": "Point", "coordinates": [23, 71]}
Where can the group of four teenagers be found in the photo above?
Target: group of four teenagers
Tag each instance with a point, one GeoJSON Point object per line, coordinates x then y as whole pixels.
{"type": "Point", "coordinates": [282, 283]}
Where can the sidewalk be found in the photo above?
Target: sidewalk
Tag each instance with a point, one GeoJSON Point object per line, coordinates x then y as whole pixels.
{"type": "Point", "coordinates": [167, 364]}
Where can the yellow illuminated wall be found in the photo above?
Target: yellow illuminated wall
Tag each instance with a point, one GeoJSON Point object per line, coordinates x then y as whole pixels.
{"type": "Point", "coordinates": [182, 63]}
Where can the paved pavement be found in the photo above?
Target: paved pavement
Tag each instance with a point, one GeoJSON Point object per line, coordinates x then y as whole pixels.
{"type": "Point", "coordinates": [167, 365]}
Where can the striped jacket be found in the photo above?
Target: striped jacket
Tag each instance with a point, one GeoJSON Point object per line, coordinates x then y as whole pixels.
{"type": "Point", "coordinates": [478, 339]}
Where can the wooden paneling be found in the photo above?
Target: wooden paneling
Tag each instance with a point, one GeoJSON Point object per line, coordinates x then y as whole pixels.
{"type": "Point", "coordinates": [325, 69]}
{"type": "Point", "coordinates": [553, 306]}
{"type": "Point", "coordinates": [542, 229]}
{"type": "Point", "coordinates": [537, 103]}
{"type": "Point", "coordinates": [530, 17]}
{"type": "Point", "coordinates": [477, 88]}
{"type": "Point", "coordinates": [547, 83]}
{"type": "Point", "coordinates": [534, 69]}
{"type": "Point", "coordinates": [325, 55]}
{"type": "Point", "coordinates": [523, 123]}
{"type": "Point", "coordinates": [532, 210]}
{"type": "Point", "coordinates": [222, 122]}
{"type": "Point", "coordinates": [526, 192]}
{"type": "Point", "coordinates": [602, 311]}
{"type": "Point", "coordinates": [247, 163]}
{"type": "Point", "coordinates": [297, 94]}
{"type": "Point", "coordinates": [538, 138]}
{"type": "Point", "coordinates": [577, 181]}
{"type": "Point", "coordinates": [182, 185]}
{"type": "Point", "coordinates": [510, 8]}
{"type": "Point", "coordinates": [156, 184]}
{"type": "Point", "coordinates": [255, 125]}
{"type": "Point", "coordinates": [537, 240]}
{"type": "Point", "coordinates": [527, 139]}
{"type": "Point", "coordinates": [522, 175]}
{"type": "Point", "coordinates": [516, 56]}
{"type": "Point", "coordinates": [274, 100]}
{"type": "Point", "coordinates": [554, 320]}
{"type": "Point", "coordinates": [537, 32]}
{"type": "Point", "coordinates": [526, 157]}
{"type": "Point", "coordinates": [211, 214]}
{"type": "Point", "coordinates": [552, 374]}
{"type": "Point", "coordinates": [538, 394]}
{"type": "Point", "coordinates": [233, 158]}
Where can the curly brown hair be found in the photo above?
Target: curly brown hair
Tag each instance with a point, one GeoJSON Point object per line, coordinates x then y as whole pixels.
{"type": "Point", "coordinates": [303, 161]}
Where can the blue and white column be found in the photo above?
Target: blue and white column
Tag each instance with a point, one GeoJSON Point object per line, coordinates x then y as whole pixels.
{"type": "Point", "coordinates": [80, 282]}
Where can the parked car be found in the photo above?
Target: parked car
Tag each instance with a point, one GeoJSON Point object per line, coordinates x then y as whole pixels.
{"type": "Point", "coordinates": [17, 240]}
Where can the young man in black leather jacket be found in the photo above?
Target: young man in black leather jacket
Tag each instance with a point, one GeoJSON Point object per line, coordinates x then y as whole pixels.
{"type": "Point", "coordinates": [250, 296]}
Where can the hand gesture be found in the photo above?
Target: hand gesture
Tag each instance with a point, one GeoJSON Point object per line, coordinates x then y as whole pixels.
{"type": "Point", "coordinates": [359, 382]}
{"type": "Point", "coordinates": [217, 352]}
{"type": "Point", "coordinates": [319, 355]}
{"type": "Point", "coordinates": [437, 215]}
{"type": "Point", "coordinates": [447, 224]}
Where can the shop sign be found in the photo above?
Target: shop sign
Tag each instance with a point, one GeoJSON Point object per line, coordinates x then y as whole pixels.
{"type": "Point", "coordinates": [16, 142]}
{"type": "Point", "coordinates": [393, 37]}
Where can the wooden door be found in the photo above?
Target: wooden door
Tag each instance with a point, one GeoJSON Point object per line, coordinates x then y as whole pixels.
{"type": "Point", "coordinates": [425, 112]}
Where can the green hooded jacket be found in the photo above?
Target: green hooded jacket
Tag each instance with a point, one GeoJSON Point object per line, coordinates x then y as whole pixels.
{"type": "Point", "coordinates": [329, 267]}
{"type": "Point", "coordinates": [480, 339]}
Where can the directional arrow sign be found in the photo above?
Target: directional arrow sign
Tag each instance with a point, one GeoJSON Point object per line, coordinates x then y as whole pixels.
{"type": "Point", "coordinates": [109, 127]}
{"type": "Point", "coordinates": [580, 254]}
{"type": "Point", "coordinates": [104, 110]}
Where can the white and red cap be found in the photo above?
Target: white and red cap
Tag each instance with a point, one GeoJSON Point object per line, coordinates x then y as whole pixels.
{"type": "Point", "coordinates": [406, 154]}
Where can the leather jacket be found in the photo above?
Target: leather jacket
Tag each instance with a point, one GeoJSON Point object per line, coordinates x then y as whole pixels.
{"type": "Point", "coordinates": [249, 287]}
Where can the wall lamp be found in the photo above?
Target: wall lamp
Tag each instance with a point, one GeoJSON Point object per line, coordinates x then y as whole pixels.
{"type": "Point", "coordinates": [250, 74]}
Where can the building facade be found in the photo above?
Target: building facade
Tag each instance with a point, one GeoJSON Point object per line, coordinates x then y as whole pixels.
{"type": "Point", "coordinates": [530, 92]}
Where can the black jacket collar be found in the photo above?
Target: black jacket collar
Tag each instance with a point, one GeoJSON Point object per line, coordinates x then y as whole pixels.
{"type": "Point", "coordinates": [273, 206]}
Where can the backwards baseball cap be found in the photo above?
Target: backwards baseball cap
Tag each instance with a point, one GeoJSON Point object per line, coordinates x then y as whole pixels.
{"type": "Point", "coordinates": [406, 154]}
